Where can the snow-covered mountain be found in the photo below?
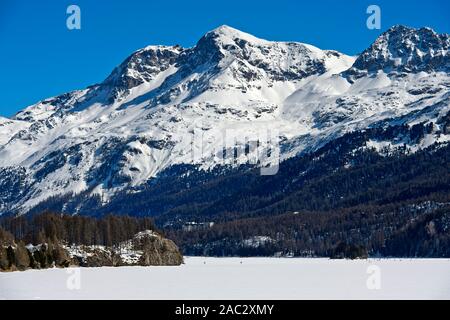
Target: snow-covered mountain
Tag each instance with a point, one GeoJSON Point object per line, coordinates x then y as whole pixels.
{"type": "Point", "coordinates": [403, 49]}
{"type": "Point", "coordinates": [9, 128]}
{"type": "Point", "coordinates": [142, 119]}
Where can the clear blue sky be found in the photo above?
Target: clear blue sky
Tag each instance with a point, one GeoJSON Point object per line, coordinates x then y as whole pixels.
{"type": "Point", "coordinates": [40, 57]}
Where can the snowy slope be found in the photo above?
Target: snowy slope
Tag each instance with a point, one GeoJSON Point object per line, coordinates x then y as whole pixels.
{"type": "Point", "coordinates": [143, 118]}
{"type": "Point", "coordinates": [8, 128]}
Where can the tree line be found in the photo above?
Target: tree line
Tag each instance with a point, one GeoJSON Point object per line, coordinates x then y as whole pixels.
{"type": "Point", "coordinates": [47, 227]}
{"type": "Point", "coordinates": [407, 229]}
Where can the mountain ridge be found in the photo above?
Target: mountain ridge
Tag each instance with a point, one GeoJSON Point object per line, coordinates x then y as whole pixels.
{"type": "Point", "coordinates": [140, 121]}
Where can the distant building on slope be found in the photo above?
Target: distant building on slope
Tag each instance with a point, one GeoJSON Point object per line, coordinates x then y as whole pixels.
{"type": "Point", "coordinates": [195, 226]}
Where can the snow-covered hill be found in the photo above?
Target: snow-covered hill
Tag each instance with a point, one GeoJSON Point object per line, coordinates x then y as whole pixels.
{"type": "Point", "coordinates": [144, 117]}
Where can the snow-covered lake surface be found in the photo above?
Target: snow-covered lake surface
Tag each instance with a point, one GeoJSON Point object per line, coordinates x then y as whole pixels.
{"type": "Point", "coordinates": [240, 278]}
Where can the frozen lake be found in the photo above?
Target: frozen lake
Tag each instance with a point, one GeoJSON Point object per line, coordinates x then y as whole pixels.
{"type": "Point", "coordinates": [240, 278]}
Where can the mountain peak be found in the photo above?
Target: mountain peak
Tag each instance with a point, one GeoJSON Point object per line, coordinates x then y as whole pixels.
{"type": "Point", "coordinates": [402, 33]}
{"type": "Point", "coordinates": [228, 35]}
{"type": "Point", "coordinates": [405, 49]}
{"type": "Point", "coordinates": [140, 67]}
{"type": "Point", "coordinates": [224, 29]}
{"type": "Point", "coordinates": [400, 28]}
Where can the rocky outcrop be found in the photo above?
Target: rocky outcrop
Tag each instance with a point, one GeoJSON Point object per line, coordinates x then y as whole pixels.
{"type": "Point", "coordinates": [156, 250]}
{"type": "Point", "coordinates": [48, 255]}
{"type": "Point", "coordinates": [147, 248]}
{"type": "Point", "coordinates": [17, 256]}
